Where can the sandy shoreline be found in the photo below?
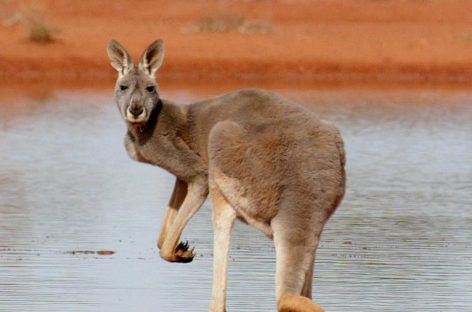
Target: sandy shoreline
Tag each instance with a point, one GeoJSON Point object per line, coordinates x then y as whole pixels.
{"type": "Point", "coordinates": [420, 41]}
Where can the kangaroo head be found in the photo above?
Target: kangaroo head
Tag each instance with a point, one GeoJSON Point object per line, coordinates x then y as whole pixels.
{"type": "Point", "coordinates": [136, 91]}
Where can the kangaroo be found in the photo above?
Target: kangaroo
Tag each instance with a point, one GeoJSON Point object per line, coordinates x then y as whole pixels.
{"type": "Point", "coordinates": [263, 159]}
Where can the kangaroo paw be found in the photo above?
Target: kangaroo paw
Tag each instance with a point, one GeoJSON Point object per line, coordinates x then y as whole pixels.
{"type": "Point", "coordinates": [183, 253]}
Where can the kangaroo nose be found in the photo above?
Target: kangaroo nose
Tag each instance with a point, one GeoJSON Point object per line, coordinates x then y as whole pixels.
{"type": "Point", "coordinates": [136, 110]}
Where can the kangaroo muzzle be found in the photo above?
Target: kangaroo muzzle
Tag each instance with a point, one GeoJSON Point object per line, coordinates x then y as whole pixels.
{"type": "Point", "coordinates": [136, 113]}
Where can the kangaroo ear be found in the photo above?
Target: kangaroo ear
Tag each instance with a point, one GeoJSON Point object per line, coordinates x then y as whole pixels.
{"type": "Point", "coordinates": [152, 57]}
{"type": "Point", "coordinates": [120, 59]}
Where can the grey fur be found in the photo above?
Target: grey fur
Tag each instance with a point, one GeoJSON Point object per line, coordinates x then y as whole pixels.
{"type": "Point", "coordinates": [264, 159]}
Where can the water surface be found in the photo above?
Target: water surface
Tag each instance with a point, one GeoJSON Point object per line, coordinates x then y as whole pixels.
{"type": "Point", "coordinates": [401, 240]}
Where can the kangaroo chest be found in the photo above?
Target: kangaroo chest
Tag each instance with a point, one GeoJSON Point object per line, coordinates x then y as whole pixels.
{"type": "Point", "coordinates": [133, 151]}
{"type": "Point", "coordinates": [169, 152]}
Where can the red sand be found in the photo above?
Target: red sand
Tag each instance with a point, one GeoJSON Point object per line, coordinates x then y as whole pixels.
{"type": "Point", "coordinates": [311, 40]}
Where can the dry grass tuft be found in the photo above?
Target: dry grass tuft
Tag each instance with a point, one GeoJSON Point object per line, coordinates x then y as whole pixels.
{"type": "Point", "coordinates": [31, 17]}
{"type": "Point", "coordinates": [39, 29]}
{"type": "Point", "coordinates": [230, 22]}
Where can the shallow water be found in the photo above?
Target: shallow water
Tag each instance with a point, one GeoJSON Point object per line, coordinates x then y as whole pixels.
{"type": "Point", "coordinates": [401, 240]}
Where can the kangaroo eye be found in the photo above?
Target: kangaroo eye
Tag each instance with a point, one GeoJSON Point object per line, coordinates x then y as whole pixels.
{"type": "Point", "coordinates": [123, 87]}
{"type": "Point", "coordinates": [150, 89]}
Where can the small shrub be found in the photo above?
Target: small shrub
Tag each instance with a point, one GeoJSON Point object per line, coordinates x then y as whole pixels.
{"type": "Point", "coordinates": [39, 30]}
{"type": "Point", "coordinates": [219, 23]}
{"type": "Point", "coordinates": [31, 16]}
{"type": "Point", "coordinates": [230, 22]}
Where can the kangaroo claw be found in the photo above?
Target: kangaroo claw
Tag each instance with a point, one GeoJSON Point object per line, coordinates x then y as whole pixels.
{"type": "Point", "coordinates": [183, 253]}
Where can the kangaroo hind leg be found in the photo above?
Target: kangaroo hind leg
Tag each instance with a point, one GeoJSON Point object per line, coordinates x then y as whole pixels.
{"type": "Point", "coordinates": [295, 248]}
{"type": "Point", "coordinates": [307, 286]}
{"type": "Point", "coordinates": [223, 219]}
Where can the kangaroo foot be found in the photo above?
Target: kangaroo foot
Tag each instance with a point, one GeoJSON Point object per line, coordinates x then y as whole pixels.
{"type": "Point", "coordinates": [291, 303]}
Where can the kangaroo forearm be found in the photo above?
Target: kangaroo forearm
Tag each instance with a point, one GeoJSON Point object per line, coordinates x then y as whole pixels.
{"type": "Point", "coordinates": [196, 195]}
{"type": "Point", "coordinates": [176, 200]}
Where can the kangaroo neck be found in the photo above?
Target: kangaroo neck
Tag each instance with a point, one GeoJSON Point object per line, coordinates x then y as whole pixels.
{"type": "Point", "coordinates": [166, 118]}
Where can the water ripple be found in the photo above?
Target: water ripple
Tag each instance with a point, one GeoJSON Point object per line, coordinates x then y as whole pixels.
{"type": "Point", "coordinates": [401, 241]}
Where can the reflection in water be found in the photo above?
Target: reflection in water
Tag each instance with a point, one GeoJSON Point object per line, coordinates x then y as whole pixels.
{"type": "Point", "coordinates": [401, 241]}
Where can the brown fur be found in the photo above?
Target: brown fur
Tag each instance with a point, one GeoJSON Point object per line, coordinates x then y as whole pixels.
{"type": "Point", "coordinates": [264, 160]}
{"type": "Point", "coordinates": [291, 303]}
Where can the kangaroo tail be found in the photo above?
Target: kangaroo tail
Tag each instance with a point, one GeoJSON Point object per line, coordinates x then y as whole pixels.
{"type": "Point", "coordinates": [292, 303]}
